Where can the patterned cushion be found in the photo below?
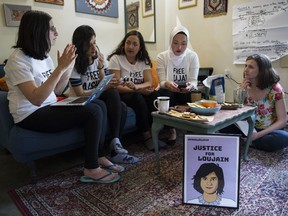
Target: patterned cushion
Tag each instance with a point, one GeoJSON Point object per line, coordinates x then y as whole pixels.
{"type": "Point", "coordinates": [3, 85]}
{"type": "Point", "coordinates": [155, 78]}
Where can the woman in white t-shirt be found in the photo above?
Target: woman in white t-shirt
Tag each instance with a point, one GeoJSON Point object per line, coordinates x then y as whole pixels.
{"type": "Point", "coordinates": [178, 69]}
{"type": "Point", "coordinates": [34, 82]}
{"type": "Point", "coordinates": [86, 75]}
{"type": "Point", "coordinates": [131, 60]}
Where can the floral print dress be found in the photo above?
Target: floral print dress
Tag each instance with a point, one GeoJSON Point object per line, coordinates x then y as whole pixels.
{"type": "Point", "coordinates": [266, 111]}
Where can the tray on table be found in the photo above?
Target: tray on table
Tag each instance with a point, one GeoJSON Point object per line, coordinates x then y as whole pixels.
{"type": "Point", "coordinates": [182, 112]}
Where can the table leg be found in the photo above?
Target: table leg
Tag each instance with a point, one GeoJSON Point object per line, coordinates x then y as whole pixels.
{"type": "Point", "coordinates": [156, 127]}
{"type": "Point", "coordinates": [251, 123]}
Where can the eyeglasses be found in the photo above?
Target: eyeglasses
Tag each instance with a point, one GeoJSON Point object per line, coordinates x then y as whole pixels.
{"type": "Point", "coordinates": [53, 28]}
{"type": "Point", "coordinates": [97, 52]}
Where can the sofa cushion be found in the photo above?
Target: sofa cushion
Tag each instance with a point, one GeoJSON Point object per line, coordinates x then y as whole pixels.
{"type": "Point", "coordinates": [3, 84]}
{"type": "Point", "coordinates": [27, 145]}
{"type": "Point", "coordinates": [155, 78]}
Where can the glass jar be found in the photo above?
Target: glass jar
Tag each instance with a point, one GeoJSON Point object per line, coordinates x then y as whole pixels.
{"type": "Point", "coordinates": [239, 96]}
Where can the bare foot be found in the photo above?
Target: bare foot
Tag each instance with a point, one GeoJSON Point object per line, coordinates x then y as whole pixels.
{"type": "Point", "coordinates": [98, 173]}
{"type": "Point", "coordinates": [172, 134]}
{"type": "Point", "coordinates": [105, 162]}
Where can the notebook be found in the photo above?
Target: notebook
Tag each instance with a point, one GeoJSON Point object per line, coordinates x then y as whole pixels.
{"type": "Point", "coordinates": [81, 101]}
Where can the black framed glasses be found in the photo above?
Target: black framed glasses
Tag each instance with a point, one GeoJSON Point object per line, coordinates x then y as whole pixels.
{"type": "Point", "coordinates": [53, 29]}
{"type": "Point", "coordinates": [97, 52]}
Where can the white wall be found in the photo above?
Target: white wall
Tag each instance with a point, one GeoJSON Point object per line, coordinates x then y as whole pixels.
{"type": "Point", "coordinates": [210, 37]}
{"type": "Point", "coordinates": [109, 31]}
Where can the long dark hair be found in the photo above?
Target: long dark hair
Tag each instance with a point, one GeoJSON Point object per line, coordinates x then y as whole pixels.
{"type": "Point", "coordinates": [142, 55]}
{"type": "Point", "coordinates": [204, 170]}
{"type": "Point", "coordinates": [81, 39]}
{"type": "Point", "coordinates": [267, 75]}
{"type": "Point", "coordinates": [33, 34]}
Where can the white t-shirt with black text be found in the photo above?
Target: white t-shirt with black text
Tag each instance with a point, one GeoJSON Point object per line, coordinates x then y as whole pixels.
{"type": "Point", "coordinates": [21, 68]}
{"type": "Point", "coordinates": [134, 73]}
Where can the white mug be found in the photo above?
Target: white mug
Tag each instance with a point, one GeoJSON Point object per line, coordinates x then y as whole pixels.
{"type": "Point", "coordinates": [162, 104]}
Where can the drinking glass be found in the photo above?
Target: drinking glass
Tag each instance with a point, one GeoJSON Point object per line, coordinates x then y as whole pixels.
{"type": "Point", "coordinates": [239, 96]}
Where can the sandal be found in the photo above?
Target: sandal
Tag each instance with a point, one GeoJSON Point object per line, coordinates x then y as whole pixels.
{"type": "Point", "coordinates": [86, 179]}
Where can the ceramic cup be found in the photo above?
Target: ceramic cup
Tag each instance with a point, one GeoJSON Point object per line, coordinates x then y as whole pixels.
{"type": "Point", "coordinates": [162, 104]}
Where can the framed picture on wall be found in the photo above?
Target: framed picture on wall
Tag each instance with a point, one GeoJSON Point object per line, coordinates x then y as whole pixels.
{"type": "Point", "coordinates": [14, 13]}
{"type": "Point", "coordinates": [211, 170]}
{"type": "Point", "coordinates": [58, 2]}
{"type": "Point", "coordinates": [102, 8]}
{"type": "Point", "coordinates": [186, 3]}
{"type": "Point", "coordinates": [147, 8]}
{"type": "Point", "coordinates": [215, 7]}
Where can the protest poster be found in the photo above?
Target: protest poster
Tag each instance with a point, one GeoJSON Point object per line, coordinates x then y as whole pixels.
{"type": "Point", "coordinates": [211, 170]}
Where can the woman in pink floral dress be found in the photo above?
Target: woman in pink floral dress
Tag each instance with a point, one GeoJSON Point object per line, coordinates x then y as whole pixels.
{"type": "Point", "coordinates": [265, 92]}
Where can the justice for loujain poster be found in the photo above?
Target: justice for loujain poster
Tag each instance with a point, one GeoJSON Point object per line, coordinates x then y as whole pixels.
{"type": "Point", "coordinates": [211, 170]}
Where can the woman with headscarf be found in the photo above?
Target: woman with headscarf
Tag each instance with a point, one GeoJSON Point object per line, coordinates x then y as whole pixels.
{"type": "Point", "coordinates": [178, 69]}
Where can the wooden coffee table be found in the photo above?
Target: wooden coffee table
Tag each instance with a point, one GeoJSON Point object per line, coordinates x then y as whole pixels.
{"type": "Point", "coordinates": [222, 119]}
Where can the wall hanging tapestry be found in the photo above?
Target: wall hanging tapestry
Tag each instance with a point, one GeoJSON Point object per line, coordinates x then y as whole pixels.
{"type": "Point", "coordinates": [98, 7]}
{"type": "Point", "coordinates": [132, 16]}
{"type": "Point", "coordinates": [14, 13]}
{"type": "Point", "coordinates": [215, 7]}
{"type": "Point", "coordinates": [58, 2]}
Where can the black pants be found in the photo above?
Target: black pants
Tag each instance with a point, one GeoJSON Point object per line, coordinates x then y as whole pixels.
{"type": "Point", "coordinates": [117, 112]}
{"type": "Point", "coordinates": [92, 117]}
{"type": "Point", "coordinates": [142, 106]}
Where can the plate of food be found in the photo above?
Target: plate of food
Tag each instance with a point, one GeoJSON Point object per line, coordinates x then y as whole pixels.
{"type": "Point", "coordinates": [204, 107]}
{"type": "Point", "coordinates": [180, 108]}
{"type": "Point", "coordinates": [188, 116]}
{"type": "Point", "coordinates": [229, 106]}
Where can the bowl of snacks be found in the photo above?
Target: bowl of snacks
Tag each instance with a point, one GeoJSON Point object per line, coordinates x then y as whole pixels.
{"type": "Point", "coordinates": [204, 107]}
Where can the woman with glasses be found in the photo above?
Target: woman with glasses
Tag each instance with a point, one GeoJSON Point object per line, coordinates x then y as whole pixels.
{"type": "Point", "coordinates": [88, 71]}
{"type": "Point", "coordinates": [178, 69]}
{"type": "Point", "coordinates": [34, 82]}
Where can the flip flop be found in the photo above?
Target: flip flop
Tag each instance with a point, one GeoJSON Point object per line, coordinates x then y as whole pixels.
{"type": "Point", "coordinates": [86, 179]}
{"type": "Point", "coordinates": [111, 169]}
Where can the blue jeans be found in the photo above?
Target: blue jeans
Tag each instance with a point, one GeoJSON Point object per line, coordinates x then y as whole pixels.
{"type": "Point", "coordinates": [273, 141]}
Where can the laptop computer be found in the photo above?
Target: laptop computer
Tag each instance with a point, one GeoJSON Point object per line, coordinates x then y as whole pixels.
{"type": "Point", "coordinates": [81, 101]}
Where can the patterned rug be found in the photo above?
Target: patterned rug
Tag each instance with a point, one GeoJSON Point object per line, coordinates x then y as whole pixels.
{"type": "Point", "coordinates": [263, 189]}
